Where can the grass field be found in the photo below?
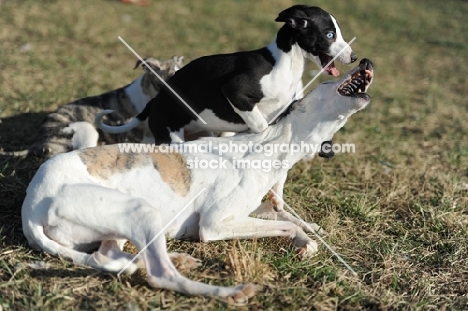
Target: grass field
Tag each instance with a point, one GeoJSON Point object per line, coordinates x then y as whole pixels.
{"type": "Point", "coordinates": [396, 210]}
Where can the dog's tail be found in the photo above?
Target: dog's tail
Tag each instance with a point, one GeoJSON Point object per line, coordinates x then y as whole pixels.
{"type": "Point", "coordinates": [115, 129]}
{"type": "Point", "coordinates": [39, 241]}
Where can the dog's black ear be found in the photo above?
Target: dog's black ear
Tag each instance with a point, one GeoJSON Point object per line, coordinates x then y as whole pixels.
{"type": "Point", "coordinates": [138, 63]}
{"type": "Point", "coordinates": [151, 62]}
{"type": "Point", "coordinates": [295, 17]}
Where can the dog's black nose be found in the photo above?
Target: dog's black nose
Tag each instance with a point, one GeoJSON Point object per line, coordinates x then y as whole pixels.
{"type": "Point", "coordinates": [326, 150]}
{"type": "Point", "coordinates": [366, 63]}
{"type": "Point", "coordinates": [353, 57]}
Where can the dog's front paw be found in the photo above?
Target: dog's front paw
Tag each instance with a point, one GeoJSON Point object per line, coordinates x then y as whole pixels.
{"type": "Point", "coordinates": [312, 227]}
{"type": "Point", "coordinates": [184, 261]}
{"type": "Point", "coordinates": [277, 202]}
{"type": "Point", "coordinates": [308, 250]}
{"type": "Point", "coordinates": [242, 296]}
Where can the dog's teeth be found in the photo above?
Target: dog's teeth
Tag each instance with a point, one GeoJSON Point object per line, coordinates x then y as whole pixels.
{"type": "Point", "coordinates": [348, 90]}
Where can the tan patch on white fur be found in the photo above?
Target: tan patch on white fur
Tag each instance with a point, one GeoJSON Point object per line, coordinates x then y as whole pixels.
{"type": "Point", "coordinates": [103, 162]}
{"type": "Point", "coordinates": [106, 161]}
{"type": "Point", "coordinates": [173, 170]}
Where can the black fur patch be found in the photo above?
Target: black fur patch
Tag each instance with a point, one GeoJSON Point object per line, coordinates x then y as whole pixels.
{"type": "Point", "coordinates": [207, 82]}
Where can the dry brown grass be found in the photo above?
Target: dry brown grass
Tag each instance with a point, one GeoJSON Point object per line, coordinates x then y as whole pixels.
{"type": "Point", "coordinates": [396, 210]}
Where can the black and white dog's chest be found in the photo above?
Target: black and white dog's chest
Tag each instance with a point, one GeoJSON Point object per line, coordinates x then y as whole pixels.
{"type": "Point", "coordinates": [279, 86]}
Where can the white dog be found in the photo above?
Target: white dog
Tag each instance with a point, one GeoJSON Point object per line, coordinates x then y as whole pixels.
{"type": "Point", "coordinates": [100, 197]}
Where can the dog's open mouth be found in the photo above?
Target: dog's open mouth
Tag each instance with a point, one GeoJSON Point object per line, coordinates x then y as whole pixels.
{"type": "Point", "coordinates": [357, 82]}
{"type": "Point", "coordinates": [331, 69]}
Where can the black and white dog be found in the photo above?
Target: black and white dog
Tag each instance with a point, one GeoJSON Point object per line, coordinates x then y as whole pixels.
{"type": "Point", "coordinates": [244, 90]}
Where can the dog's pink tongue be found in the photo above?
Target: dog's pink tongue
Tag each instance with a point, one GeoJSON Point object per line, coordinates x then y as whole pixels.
{"type": "Point", "coordinates": [332, 70]}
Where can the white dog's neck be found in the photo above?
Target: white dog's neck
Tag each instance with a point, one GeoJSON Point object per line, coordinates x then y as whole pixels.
{"type": "Point", "coordinates": [299, 128]}
{"type": "Point", "coordinates": [305, 124]}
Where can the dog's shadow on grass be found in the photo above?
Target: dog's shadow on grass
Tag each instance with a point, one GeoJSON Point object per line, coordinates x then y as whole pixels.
{"type": "Point", "coordinates": [17, 133]}
{"type": "Point", "coordinates": [74, 272]}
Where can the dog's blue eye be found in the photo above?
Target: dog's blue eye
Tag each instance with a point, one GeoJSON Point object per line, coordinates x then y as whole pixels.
{"type": "Point", "coordinates": [330, 35]}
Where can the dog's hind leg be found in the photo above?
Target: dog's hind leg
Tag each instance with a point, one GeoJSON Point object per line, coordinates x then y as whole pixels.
{"type": "Point", "coordinates": [177, 136]}
{"type": "Point", "coordinates": [244, 104]}
{"type": "Point", "coordinates": [107, 214]}
{"type": "Point", "coordinates": [163, 274]}
{"type": "Point", "coordinates": [227, 134]}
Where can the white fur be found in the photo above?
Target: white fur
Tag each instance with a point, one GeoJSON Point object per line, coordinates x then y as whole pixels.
{"type": "Point", "coordinates": [84, 135]}
{"type": "Point", "coordinates": [299, 90]}
{"type": "Point", "coordinates": [67, 211]}
{"type": "Point", "coordinates": [213, 123]}
{"type": "Point", "coordinates": [177, 137]}
{"type": "Point", "coordinates": [139, 98]}
{"type": "Point", "coordinates": [255, 119]}
{"type": "Point", "coordinates": [340, 44]}
{"type": "Point", "coordinates": [280, 85]}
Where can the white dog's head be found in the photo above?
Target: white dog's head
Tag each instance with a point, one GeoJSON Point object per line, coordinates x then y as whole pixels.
{"type": "Point", "coordinates": [318, 35]}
